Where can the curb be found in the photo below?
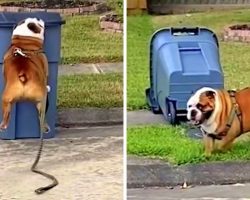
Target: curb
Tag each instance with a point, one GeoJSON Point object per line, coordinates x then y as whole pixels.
{"type": "Point", "coordinates": [89, 117]}
{"type": "Point", "coordinates": [154, 173]}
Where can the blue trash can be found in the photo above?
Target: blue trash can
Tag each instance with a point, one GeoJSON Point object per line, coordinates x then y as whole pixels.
{"type": "Point", "coordinates": [24, 122]}
{"type": "Point", "coordinates": [182, 60]}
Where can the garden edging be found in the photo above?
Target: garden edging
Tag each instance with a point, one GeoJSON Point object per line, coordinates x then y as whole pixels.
{"type": "Point", "coordinates": [94, 9]}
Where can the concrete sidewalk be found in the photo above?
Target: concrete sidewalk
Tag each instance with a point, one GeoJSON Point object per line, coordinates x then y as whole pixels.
{"type": "Point", "coordinates": [88, 164]}
{"type": "Point", "coordinates": [98, 68]}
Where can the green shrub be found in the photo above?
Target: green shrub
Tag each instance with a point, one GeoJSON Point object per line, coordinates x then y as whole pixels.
{"type": "Point", "coordinates": [116, 5]}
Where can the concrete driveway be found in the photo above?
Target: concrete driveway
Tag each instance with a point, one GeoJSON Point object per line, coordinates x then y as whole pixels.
{"type": "Point", "coordinates": [86, 161]}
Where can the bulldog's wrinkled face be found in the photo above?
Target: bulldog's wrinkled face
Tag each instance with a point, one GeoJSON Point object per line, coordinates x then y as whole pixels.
{"type": "Point", "coordinates": [32, 27]}
{"type": "Point", "coordinates": [201, 105]}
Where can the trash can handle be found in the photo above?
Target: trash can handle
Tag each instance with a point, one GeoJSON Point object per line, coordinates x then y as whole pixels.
{"type": "Point", "coordinates": [185, 31]}
{"type": "Point", "coordinates": [189, 49]}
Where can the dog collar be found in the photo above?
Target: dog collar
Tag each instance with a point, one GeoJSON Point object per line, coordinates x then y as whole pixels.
{"type": "Point", "coordinates": [25, 52]}
{"type": "Point", "coordinates": [18, 51]}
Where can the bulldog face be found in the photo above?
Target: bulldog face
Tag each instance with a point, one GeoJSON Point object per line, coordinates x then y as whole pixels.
{"type": "Point", "coordinates": [201, 105]}
{"type": "Point", "coordinates": [32, 27]}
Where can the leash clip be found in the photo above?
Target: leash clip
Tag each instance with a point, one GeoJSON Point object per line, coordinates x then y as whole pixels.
{"type": "Point", "coordinates": [18, 51]}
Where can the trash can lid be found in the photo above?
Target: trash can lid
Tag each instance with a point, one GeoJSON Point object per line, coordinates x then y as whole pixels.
{"type": "Point", "coordinates": [9, 19]}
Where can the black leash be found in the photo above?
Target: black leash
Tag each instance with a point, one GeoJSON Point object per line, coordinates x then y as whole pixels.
{"type": "Point", "coordinates": [54, 183]}
{"type": "Point", "coordinates": [33, 168]}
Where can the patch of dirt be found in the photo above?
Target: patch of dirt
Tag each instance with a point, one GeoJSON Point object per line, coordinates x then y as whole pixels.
{"type": "Point", "coordinates": [51, 4]}
{"type": "Point", "coordinates": [240, 27]}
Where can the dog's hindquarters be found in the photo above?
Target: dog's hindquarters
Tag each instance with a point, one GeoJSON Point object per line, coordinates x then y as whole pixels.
{"type": "Point", "coordinates": [25, 79]}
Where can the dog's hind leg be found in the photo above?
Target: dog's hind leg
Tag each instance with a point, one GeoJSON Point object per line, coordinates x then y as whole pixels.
{"type": "Point", "coordinates": [7, 101]}
{"type": "Point", "coordinates": [41, 107]}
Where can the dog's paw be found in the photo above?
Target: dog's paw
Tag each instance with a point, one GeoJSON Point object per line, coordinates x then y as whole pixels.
{"type": "Point", "coordinates": [46, 128]}
{"type": "Point", "coordinates": [3, 127]}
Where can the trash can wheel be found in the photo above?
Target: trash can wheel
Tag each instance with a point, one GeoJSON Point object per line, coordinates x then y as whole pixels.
{"type": "Point", "coordinates": [172, 118]}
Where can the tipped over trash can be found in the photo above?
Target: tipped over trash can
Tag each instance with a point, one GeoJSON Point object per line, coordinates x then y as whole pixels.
{"type": "Point", "coordinates": [182, 60]}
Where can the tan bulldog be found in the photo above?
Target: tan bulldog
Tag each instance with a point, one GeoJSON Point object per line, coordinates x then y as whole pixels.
{"type": "Point", "coordinates": [221, 115]}
{"type": "Point", "coordinates": [25, 68]}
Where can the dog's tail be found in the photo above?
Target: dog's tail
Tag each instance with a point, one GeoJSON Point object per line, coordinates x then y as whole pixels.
{"type": "Point", "coordinates": [22, 77]}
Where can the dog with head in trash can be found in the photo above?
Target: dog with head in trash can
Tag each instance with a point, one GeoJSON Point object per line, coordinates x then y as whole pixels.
{"type": "Point", "coordinates": [25, 69]}
{"type": "Point", "coordinates": [221, 115]}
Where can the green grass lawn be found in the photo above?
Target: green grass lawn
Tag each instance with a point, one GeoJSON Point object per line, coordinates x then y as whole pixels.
{"type": "Point", "coordinates": [84, 41]}
{"type": "Point", "coordinates": [171, 144]}
{"type": "Point", "coordinates": [139, 30]}
{"type": "Point", "coordinates": [235, 57]}
{"type": "Point", "coordinates": [79, 91]}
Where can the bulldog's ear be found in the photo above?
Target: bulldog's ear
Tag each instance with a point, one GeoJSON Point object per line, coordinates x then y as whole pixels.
{"type": "Point", "coordinates": [210, 94]}
{"type": "Point", "coordinates": [33, 27]}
